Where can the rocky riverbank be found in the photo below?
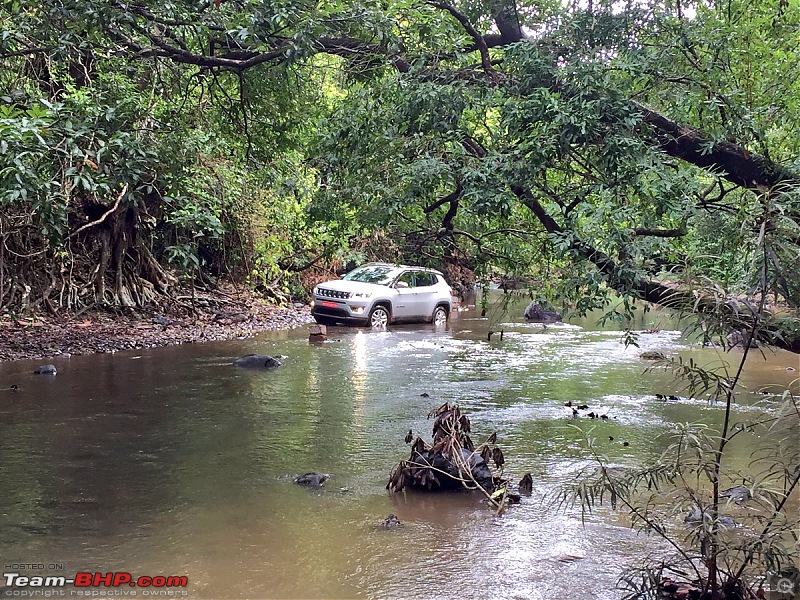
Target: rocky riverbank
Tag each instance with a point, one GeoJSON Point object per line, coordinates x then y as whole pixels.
{"type": "Point", "coordinates": [206, 317]}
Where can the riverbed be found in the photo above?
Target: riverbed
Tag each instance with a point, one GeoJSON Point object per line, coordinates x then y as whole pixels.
{"type": "Point", "coordinates": [172, 462]}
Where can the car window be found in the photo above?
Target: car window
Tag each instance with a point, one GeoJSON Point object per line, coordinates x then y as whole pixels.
{"type": "Point", "coordinates": [425, 279]}
{"type": "Point", "coordinates": [407, 277]}
{"type": "Point", "coordinates": [380, 274]}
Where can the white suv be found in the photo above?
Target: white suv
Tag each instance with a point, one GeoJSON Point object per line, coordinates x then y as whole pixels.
{"type": "Point", "coordinates": [377, 294]}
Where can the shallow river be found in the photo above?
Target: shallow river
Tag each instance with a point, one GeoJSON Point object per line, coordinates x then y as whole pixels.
{"type": "Point", "coordinates": [173, 462]}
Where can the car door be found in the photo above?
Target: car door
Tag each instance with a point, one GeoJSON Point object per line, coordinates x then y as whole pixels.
{"type": "Point", "coordinates": [403, 304]}
{"type": "Point", "coordinates": [426, 296]}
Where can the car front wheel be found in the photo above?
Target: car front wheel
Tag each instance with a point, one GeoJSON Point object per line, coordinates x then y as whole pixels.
{"type": "Point", "coordinates": [440, 316]}
{"type": "Point", "coordinates": [379, 317]}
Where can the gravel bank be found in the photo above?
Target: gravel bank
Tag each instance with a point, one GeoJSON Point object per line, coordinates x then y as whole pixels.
{"type": "Point", "coordinates": [215, 317]}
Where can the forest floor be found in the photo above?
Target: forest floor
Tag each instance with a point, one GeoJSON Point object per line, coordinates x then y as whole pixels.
{"type": "Point", "coordinates": [222, 314]}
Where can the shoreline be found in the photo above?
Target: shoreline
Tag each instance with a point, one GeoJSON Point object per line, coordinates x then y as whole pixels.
{"type": "Point", "coordinates": [215, 317]}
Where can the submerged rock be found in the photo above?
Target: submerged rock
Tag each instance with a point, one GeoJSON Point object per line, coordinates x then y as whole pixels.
{"type": "Point", "coordinates": [526, 485]}
{"type": "Point", "coordinates": [696, 517]}
{"type": "Point", "coordinates": [390, 522]}
{"type": "Point", "coordinates": [535, 313]}
{"type": "Point", "coordinates": [256, 361]}
{"type": "Point", "coordinates": [45, 370]}
{"type": "Point", "coordinates": [740, 338]}
{"type": "Point", "coordinates": [312, 479]}
{"type": "Point", "coordinates": [739, 494]}
{"type": "Point", "coordinates": [569, 558]}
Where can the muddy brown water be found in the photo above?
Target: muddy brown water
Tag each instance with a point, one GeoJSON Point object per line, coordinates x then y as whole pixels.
{"type": "Point", "coordinates": [173, 462]}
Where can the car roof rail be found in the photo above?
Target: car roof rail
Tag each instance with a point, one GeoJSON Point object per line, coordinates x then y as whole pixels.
{"type": "Point", "coordinates": [399, 266]}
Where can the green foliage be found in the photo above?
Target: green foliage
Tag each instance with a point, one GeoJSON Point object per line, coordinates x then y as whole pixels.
{"type": "Point", "coordinates": [757, 543]}
{"type": "Point", "coordinates": [260, 137]}
{"type": "Point", "coordinates": [57, 154]}
{"type": "Point", "coordinates": [559, 122]}
{"type": "Point", "coordinates": [207, 114]}
{"type": "Point", "coordinates": [694, 469]}
{"type": "Point", "coordinates": [195, 153]}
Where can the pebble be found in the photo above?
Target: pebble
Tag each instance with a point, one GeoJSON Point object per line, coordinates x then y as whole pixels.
{"type": "Point", "coordinates": [103, 335]}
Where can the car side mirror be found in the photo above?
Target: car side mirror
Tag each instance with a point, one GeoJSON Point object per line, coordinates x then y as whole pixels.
{"type": "Point", "coordinates": [400, 285]}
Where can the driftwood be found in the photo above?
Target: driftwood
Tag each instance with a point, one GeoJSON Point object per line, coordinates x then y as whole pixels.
{"type": "Point", "coordinates": [452, 462]}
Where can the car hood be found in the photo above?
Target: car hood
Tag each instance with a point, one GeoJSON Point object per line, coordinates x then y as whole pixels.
{"type": "Point", "coordinates": [341, 285]}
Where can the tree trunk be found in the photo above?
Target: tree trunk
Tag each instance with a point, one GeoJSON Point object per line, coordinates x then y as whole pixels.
{"type": "Point", "coordinates": [125, 258]}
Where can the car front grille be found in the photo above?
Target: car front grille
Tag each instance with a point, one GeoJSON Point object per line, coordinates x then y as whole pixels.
{"type": "Point", "coordinates": [333, 293]}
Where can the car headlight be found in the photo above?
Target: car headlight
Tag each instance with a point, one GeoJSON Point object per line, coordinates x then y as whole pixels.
{"type": "Point", "coordinates": [316, 291]}
{"type": "Point", "coordinates": [362, 294]}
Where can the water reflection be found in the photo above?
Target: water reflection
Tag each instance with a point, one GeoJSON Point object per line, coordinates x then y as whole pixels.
{"type": "Point", "coordinates": [172, 461]}
{"type": "Point", "coordinates": [360, 373]}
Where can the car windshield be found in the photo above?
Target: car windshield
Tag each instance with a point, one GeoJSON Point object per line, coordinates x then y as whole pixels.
{"type": "Point", "coordinates": [380, 274]}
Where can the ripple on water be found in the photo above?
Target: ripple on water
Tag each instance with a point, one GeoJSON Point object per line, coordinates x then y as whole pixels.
{"type": "Point", "coordinates": [191, 461]}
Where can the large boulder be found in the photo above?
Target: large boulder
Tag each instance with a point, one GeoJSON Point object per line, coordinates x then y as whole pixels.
{"type": "Point", "coordinates": [45, 370]}
{"type": "Point", "coordinates": [256, 361]}
{"type": "Point", "coordinates": [535, 313]}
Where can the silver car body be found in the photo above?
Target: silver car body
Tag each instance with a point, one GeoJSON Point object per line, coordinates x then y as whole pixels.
{"type": "Point", "coordinates": [406, 293]}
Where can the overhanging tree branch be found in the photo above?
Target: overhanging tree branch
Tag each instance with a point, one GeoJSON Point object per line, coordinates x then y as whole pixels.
{"type": "Point", "coordinates": [681, 300]}
{"type": "Point", "coordinates": [727, 159]}
{"type": "Point", "coordinates": [679, 231]}
{"type": "Point", "coordinates": [731, 161]}
{"type": "Point", "coordinates": [480, 43]}
{"type": "Point", "coordinates": [452, 199]}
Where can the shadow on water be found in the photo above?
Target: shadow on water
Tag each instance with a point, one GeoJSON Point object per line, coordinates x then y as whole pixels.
{"type": "Point", "coordinates": [173, 462]}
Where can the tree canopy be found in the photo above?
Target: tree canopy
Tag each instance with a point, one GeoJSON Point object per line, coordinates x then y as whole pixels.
{"type": "Point", "coordinates": [598, 146]}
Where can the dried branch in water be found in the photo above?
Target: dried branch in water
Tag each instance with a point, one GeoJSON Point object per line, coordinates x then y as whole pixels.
{"type": "Point", "coordinates": [452, 462]}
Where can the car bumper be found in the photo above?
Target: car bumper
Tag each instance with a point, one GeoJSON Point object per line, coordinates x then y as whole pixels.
{"type": "Point", "coordinates": [351, 311]}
